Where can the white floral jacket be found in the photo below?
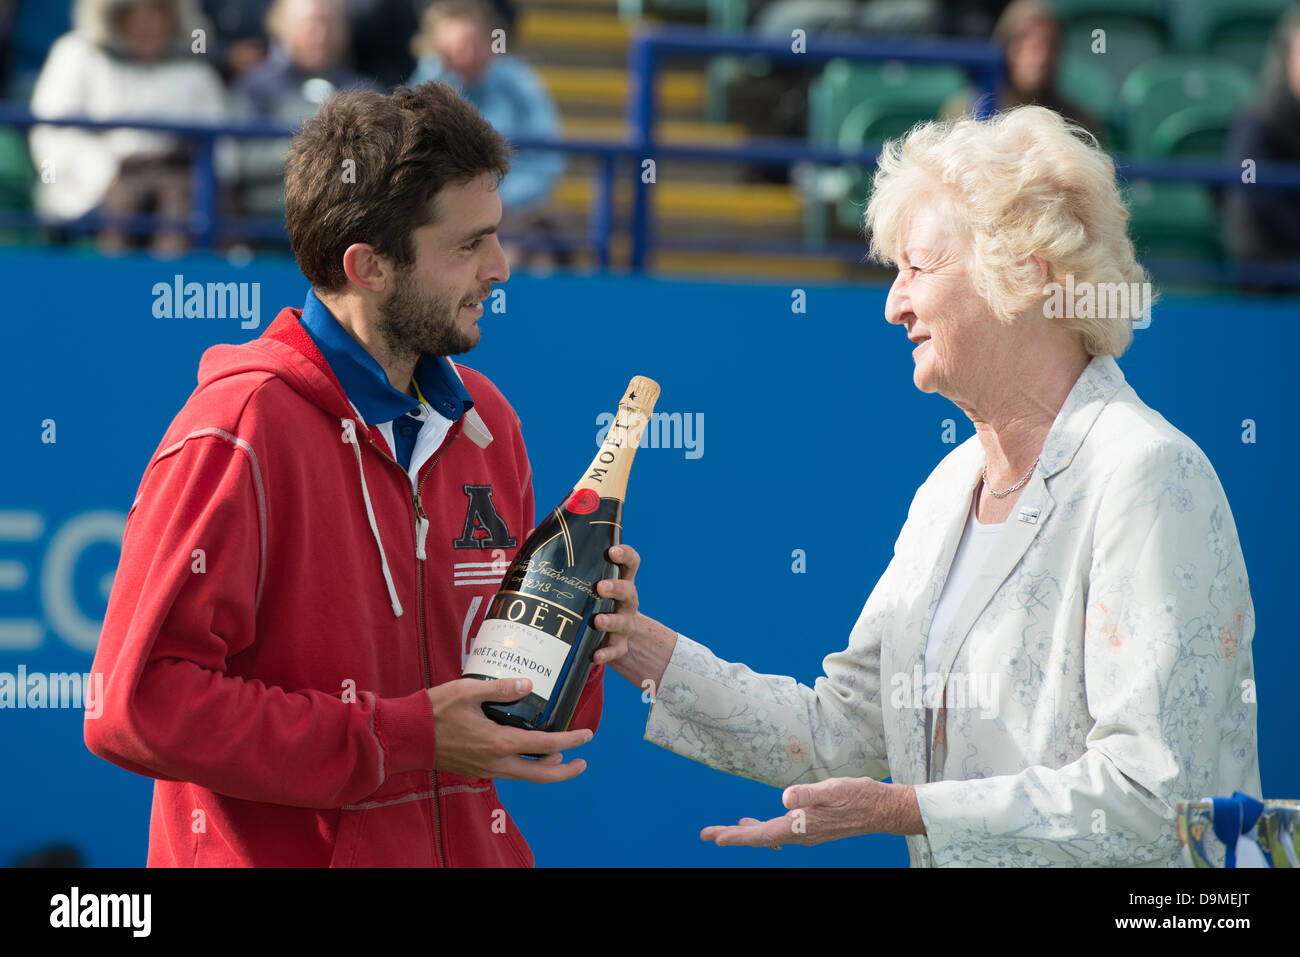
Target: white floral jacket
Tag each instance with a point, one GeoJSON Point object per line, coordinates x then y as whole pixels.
{"type": "Point", "coordinates": [1099, 671]}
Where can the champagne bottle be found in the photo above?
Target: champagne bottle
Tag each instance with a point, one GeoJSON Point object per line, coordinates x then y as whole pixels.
{"type": "Point", "coordinates": [540, 624]}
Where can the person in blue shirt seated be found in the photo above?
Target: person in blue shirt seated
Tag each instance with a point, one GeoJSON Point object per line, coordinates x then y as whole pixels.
{"type": "Point", "coordinates": [460, 45]}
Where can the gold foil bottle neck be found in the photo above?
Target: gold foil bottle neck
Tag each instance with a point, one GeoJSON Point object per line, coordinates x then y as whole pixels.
{"type": "Point", "coordinates": [641, 395]}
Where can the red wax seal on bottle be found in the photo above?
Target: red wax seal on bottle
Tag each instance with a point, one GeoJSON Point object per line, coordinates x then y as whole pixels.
{"type": "Point", "coordinates": [582, 502]}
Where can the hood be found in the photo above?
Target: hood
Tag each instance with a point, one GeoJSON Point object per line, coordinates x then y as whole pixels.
{"type": "Point", "coordinates": [286, 350]}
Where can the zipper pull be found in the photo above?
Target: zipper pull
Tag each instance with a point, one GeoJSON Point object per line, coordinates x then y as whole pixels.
{"type": "Point", "coordinates": [421, 531]}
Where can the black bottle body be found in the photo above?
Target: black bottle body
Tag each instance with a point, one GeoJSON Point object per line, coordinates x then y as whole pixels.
{"type": "Point", "coordinates": [539, 624]}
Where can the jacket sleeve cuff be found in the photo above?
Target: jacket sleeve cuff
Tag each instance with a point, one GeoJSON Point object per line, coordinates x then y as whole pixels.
{"type": "Point", "coordinates": [405, 730]}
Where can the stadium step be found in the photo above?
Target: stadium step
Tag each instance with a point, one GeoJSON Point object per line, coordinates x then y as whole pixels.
{"type": "Point", "coordinates": [669, 131]}
{"type": "Point", "coordinates": [577, 87]}
{"type": "Point", "coordinates": [697, 263]}
{"type": "Point", "coordinates": [550, 29]}
{"type": "Point", "coordinates": [774, 268]}
{"type": "Point", "coordinates": [772, 206]}
{"type": "Point", "coordinates": [579, 47]}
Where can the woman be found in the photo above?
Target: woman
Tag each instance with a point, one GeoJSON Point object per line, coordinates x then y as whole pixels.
{"type": "Point", "coordinates": [1030, 32]}
{"type": "Point", "coordinates": [126, 59]}
{"type": "Point", "coordinates": [1060, 648]}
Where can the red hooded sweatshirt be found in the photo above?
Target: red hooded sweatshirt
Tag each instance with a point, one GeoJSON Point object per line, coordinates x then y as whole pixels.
{"type": "Point", "coordinates": [282, 602]}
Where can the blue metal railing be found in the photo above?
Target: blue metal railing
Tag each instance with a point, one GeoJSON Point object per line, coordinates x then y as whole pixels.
{"type": "Point", "coordinates": [984, 61]}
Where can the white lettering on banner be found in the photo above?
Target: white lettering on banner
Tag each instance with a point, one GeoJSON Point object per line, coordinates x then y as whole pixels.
{"type": "Point", "coordinates": [56, 582]}
{"type": "Point", "coordinates": [19, 634]}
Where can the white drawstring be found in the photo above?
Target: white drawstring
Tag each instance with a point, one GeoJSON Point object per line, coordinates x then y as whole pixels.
{"type": "Point", "coordinates": [421, 532]}
{"type": "Point", "coordinates": [350, 438]}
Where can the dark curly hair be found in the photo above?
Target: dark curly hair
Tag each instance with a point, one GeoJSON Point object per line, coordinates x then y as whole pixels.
{"type": "Point", "coordinates": [368, 167]}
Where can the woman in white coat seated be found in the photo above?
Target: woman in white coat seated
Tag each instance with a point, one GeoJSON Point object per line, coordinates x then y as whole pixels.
{"type": "Point", "coordinates": [125, 60]}
{"type": "Point", "coordinates": [1060, 648]}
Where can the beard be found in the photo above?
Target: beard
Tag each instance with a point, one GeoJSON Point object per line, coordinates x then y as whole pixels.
{"type": "Point", "coordinates": [415, 325]}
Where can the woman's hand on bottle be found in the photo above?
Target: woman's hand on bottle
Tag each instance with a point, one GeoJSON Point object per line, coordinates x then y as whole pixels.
{"type": "Point", "coordinates": [637, 647]}
{"type": "Point", "coordinates": [620, 624]}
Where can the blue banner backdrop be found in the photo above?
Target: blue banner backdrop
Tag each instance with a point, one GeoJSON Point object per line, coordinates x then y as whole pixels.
{"type": "Point", "coordinates": [801, 435]}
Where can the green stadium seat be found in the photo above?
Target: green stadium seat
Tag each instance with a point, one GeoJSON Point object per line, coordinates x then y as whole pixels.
{"type": "Point", "coordinates": [16, 173]}
{"type": "Point", "coordinates": [1173, 221]}
{"type": "Point", "coordinates": [1196, 132]}
{"type": "Point", "coordinates": [1182, 106]}
{"type": "Point", "coordinates": [854, 105]}
{"type": "Point", "coordinates": [1136, 31]}
{"type": "Point", "coordinates": [844, 86]}
{"type": "Point", "coordinates": [16, 180]}
{"type": "Point", "coordinates": [1083, 82]}
{"type": "Point", "coordinates": [1234, 30]}
{"type": "Point", "coordinates": [875, 121]}
{"type": "Point", "coordinates": [727, 14]}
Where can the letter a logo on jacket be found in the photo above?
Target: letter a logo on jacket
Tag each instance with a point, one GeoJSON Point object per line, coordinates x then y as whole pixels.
{"type": "Point", "coordinates": [481, 516]}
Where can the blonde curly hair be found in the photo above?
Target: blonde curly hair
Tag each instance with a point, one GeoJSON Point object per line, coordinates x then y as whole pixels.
{"type": "Point", "coordinates": [1023, 182]}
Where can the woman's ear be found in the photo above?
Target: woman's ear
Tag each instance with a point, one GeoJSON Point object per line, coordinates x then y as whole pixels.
{"type": "Point", "coordinates": [1041, 263]}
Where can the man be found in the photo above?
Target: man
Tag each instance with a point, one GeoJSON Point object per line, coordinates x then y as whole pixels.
{"type": "Point", "coordinates": [321, 528]}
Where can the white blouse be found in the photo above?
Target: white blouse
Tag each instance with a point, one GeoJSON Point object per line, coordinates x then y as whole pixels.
{"type": "Point", "coordinates": [973, 551]}
{"type": "Point", "coordinates": [977, 541]}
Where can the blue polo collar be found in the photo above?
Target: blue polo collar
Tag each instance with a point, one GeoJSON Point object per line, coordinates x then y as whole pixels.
{"type": "Point", "coordinates": [363, 378]}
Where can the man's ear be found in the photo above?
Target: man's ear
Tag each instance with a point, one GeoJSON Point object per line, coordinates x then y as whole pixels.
{"type": "Point", "coordinates": [365, 268]}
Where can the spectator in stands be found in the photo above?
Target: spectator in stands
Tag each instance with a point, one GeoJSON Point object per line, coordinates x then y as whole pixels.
{"type": "Point", "coordinates": [455, 45]}
{"type": "Point", "coordinates": [1263, 225]}
{"type": "Point", "coordinates": [306, 65]}
{"type": "Point", "coordinates": [1031, 35]}
{"type": "Point", "coordinates": [238, 43]}
{"type": "Point", "coordinates": [381, 32]}
{"type": "Point", "coordinates": [124, 59]}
